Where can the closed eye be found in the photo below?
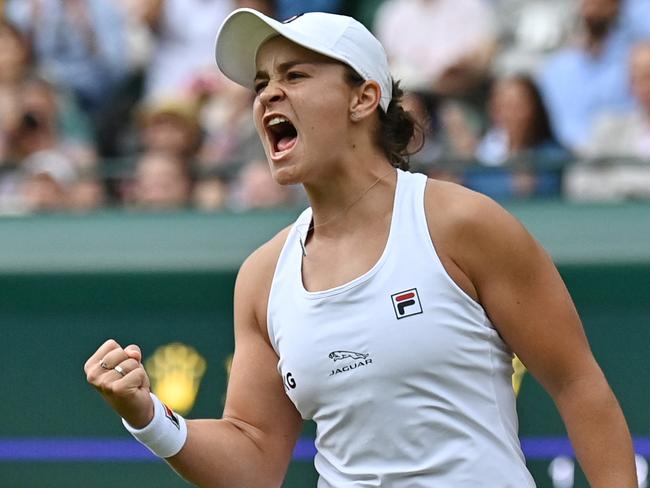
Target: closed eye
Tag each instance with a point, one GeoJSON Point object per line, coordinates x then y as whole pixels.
{"type": "Point", "coordinates": [295, 75]}
{"type": "Point", "coordinates": [260, 85]}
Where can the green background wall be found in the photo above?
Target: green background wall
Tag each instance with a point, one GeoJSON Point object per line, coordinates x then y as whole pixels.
{"type": "Point", "coordinates": [68, 283]}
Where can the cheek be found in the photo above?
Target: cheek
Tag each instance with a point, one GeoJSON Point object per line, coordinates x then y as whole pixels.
{"type": "Point", "coordinates": [326, 120]}
{"type": "Point", "coordinates": [258, 112]}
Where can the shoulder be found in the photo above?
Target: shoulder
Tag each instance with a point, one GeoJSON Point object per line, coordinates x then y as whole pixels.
{"type": "Point", "coordinates": [472, 230]}
{"type": "Point", "coordinates": [260, 265]}
{"type": "Point", "coordinates": [455, 206]}
{"type": "Point", "coordinates": [255, 276]}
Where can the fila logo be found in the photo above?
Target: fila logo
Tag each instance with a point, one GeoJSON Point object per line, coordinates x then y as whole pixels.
{"type": "Point", "coordinates": [406, 303]}
{"type": "Point", "coordinates": [169, 413]}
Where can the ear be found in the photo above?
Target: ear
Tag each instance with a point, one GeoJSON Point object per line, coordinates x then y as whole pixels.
{"type": "Point", "coordinates": [364, 100]}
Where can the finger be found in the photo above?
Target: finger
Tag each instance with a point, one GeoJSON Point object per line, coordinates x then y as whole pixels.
{"type": "Point", "coordinates": [102, 371]}
{"type": "Point", "coordinates": [113, 358]}
{"type": "Point", "coordinates": [109, 381]}
{"type": "Point", "coordinates": [134, 380]}
{"type": "Point", "coordinates": [126, 367]}
{"type": "Point", "coordinates": [104, 349]}
{"type": "Point", "coordinates": [133, 351]}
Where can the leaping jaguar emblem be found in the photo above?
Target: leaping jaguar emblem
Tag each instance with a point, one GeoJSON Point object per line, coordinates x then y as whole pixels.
{"type": "Point", "coordinates": [339, 355]}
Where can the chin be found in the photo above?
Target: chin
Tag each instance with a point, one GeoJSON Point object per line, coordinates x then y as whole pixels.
{"type": "Point", "coordinates": [286, 176]}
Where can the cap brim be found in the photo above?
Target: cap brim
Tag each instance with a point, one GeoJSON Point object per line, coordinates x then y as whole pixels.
{"type": "Point", "coordinates": [238, 40]}
{"type": "Point", "coordinates": [242, 34]}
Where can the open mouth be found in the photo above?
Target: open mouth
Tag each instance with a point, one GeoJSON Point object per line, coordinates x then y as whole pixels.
{"type": "Point", "coordinates": [282, 134]}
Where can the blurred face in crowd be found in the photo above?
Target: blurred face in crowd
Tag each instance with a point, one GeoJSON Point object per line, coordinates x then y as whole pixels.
{"type": "Point", "coordinates": [599, 15]}
{"type": "Point", "coordinates": [511, 106]}
{"type": "Point", "coordinates": [210, 194]}
{"type": "Point", "coordinates": [640, 71]}
{"type": "Point", "coordinates": [161, 182]}
{"type": "Point", "coordinates": [36, 119]}
{"type": "Point", "coordinates": [171, 133]}
{"type": "Point", "coordinates": [258, 190]}
{"type": "Point", "coordinates": [39, 97]}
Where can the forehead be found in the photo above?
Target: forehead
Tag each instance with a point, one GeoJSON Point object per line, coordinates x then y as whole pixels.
{"type": "Point", "coordinates": [278, 50]}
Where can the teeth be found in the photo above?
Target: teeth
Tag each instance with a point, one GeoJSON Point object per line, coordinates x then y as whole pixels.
{"type": "Point", "coordinates": [277, 120]}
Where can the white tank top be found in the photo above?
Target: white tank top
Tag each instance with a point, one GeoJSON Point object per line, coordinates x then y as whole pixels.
{"type": "Point", "coordinates": [406, 378]}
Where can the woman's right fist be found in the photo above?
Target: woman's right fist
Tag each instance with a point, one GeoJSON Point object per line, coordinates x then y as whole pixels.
{"type": "Point", "coordinates": [117, 373]}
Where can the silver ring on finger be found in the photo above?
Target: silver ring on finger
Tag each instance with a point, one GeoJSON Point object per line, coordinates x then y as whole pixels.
{"type": "Point", "coordinates": [120, 370]}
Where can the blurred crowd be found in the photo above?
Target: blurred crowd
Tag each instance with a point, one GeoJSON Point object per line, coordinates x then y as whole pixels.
{"type": "Point", "coordinates": [118, 103]}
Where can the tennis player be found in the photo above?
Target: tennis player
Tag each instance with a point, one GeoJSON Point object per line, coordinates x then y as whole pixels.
{"type": "Point", "coordinates": [388, 313]}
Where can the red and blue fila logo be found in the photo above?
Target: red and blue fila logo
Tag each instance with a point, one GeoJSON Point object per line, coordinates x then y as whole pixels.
{"type": "Point", "coordinates": [406, 303]}
{"type": "Point", "coordinates": [169, 413]}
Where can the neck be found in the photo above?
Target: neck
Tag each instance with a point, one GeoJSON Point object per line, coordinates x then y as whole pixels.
{"type": "Point", "coordinates": [351, 196]}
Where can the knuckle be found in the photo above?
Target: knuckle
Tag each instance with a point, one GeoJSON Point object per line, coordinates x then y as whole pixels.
{"type": "Point", "coordinates": [131, 364]}
{"type": "Point", "coordinates": [105, 385]}
{"type": "Point", "coordinates": [90, 378]}
{"type": "Point", "coordinates": [140, 373]}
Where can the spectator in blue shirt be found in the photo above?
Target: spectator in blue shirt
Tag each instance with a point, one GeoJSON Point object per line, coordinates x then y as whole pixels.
{"type": "Point", "coordinates": [591, 75]}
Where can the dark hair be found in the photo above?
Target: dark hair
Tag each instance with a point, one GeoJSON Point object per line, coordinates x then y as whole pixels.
{"type": "Point", "coordinates": [397, 128]}
{"type": "Point", "coordinates": [541, 129]}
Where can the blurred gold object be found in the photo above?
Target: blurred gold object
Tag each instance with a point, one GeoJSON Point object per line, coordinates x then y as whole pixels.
{"type": "Point", "coordinates": [176, 371]}
{"type": "Point", "coordinates": [228, 365]}
{"type": "Point", "coordinates": [518, 375]}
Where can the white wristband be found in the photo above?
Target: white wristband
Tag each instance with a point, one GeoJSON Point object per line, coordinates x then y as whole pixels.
{"type": "Point", "coordinates": [165, 435]}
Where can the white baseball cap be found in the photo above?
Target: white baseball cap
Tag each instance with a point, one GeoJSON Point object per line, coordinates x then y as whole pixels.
{"type": "Point", "coordinates": [335, 36]}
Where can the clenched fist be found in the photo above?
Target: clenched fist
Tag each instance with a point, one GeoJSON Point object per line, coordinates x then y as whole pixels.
{"type": "Point", "coordinates": [119, 376]}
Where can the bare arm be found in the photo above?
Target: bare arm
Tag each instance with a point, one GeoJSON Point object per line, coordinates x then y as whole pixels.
{"type": "Point", "coordinates": [253, 442]}
{"type": "Point", "coordinates": [523, 294]}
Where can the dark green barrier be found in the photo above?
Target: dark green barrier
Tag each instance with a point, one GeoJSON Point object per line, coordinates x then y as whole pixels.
{"type": "Point", "coordinates": [69, 283]}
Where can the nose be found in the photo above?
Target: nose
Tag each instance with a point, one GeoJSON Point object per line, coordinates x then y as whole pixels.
{"type": "Point", "coordinates": [272, 93]}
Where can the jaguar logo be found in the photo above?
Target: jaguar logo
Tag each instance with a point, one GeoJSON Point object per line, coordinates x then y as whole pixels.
{"type": "Point", "coordinates": [356, 360]}
{"type": "Point", "coordinates": [339, 355]}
